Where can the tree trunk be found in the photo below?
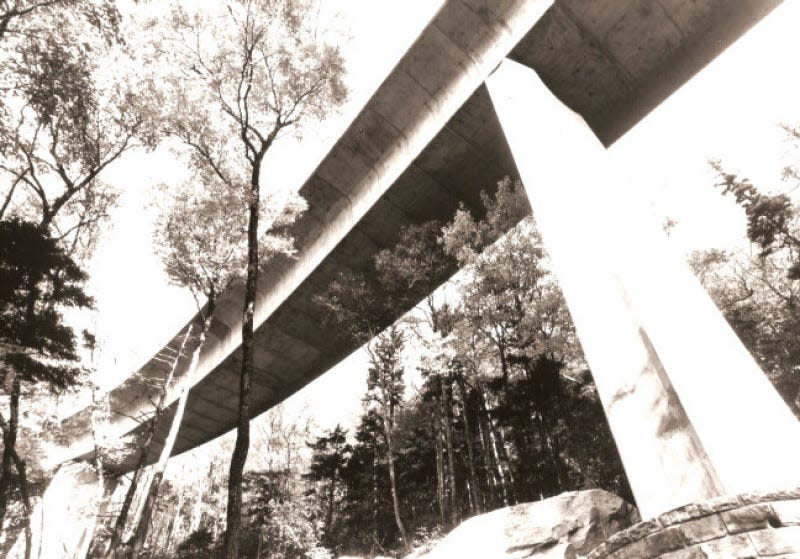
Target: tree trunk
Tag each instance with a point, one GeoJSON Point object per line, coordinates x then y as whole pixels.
{"type": "Point", "coordinates": [22, 482]}
{"type": "Point", "coordinates": [101, 484]}
{"type": "Point", "coordinates": [115, 539]}
{"type": "Point", "coordinates": [524, 439]}
{"type": "Point", "coordinates": [197, 509]}
{"type": "Point", "coordinates": [555, 446]}
{"type": "Point", "coordinates": [512, 482]}
{"type": "Point", "coordinates": [4, 23]}
{"type": "Point", "coordinates": [539, 378]}
{"type": "Point", "coordinates": [10, 435]}
{"type": "Point", "coordinates": [494, 444]}
{"type": "Point", "coordinates": [177, 516]}
{"type": "Point", "coordinates": [139, 537]}
{"type": "Point", "coordinates": [437, 433]}
{"type": "Point", "coordinates": [146, 478]}
{"type": "Point", "coordinates": [489, 468]}
{"type": "Point", "coordinates": [14, 184]}
{"type": "Point", "coordinates": [329, 516]}
{"type": "Point", "coordinates": [233, 524]}
{"type": "Point", "coordinates": [140, 532]}
{"type": "Point", "coordinates": [161, 543]}
{"type": "Point", "coordinates": [553, 478]}
{"type": "Point", "coordinates": [549, 441]}
{"type": "Point", "coordinates": [473, 476]}
{"type": "Point", "coordinates": [375, 500]}
{"type": "Point", "coordinates": [119, 525]}
{"type": "Point", "coordinates": [9, 444]}
{"type": "Point", "coordinates": [448, 437]}
{"type": "Point", "coordinates": [555, 413]}
{"type": "Point", "coordinates": [503, 365]}
{"type": "Point", "coordinates": [393, 481]}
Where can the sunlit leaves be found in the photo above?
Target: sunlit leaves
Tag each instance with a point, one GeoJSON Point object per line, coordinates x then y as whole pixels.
{"type": "Point", "coordinates": [758, 290]}
{"type": "Point", "coordinates": [73, 106]}
{"type": "Point", "coordinates": [465, 237]}
{"type": "Point", "coordinates": [508, 294]}
{"type": "Point", "coordinates": [759, 301]}
{"type": "Point", "coordinates": [238, 75]}
{"type": "Point", "coordinates": [773, 220]}
{"type": "Point", "coordinates": [201, 233]}
{"type": "Point", "coordinates": [385, 384]}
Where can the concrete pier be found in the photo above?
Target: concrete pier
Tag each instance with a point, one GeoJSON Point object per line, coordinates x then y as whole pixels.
{"type": "Point", "coordinates": [425, 143]}
{"type": "Point", "coordinates": [676, 383]}
{"type": "Point", "coordinates": [63, 522]}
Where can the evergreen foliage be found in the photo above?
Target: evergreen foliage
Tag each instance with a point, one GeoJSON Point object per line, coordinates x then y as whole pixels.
{"type": "Point", "coordinates": [506, 411]}
{"type": "Point", "coordinates": [38, 281]}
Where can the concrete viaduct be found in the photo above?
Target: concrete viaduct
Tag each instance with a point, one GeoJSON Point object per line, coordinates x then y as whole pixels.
{"type": "Point", "coordinates": [437, 131]}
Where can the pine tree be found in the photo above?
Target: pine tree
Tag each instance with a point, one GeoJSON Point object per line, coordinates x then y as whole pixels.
{"type": "Point", "coordinates": [385, 388]}
{"type": "Point", "coordinates": [330, 455]}
{"type": "Point", "coordinates": [506, 412]}
{"type": "Point", "coordinates": [38, 282]}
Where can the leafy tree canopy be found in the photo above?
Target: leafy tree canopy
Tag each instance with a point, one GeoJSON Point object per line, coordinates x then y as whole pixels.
{"type": "Point", "coordinates": [37, 343]}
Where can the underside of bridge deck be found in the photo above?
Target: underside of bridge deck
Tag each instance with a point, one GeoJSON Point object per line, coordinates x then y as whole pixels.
{"type": "Point", "coordinates": [427, 141]}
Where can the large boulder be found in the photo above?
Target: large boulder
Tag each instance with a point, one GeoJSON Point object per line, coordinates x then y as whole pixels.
{"type": "Point", "coordinates": [567, 526]}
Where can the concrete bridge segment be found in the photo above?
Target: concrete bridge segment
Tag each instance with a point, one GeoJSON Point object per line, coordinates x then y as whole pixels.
{"type": "Point", "coordinates": [427, 140]}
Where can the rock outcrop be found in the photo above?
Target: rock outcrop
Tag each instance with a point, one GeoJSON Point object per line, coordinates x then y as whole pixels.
{"type": "Point", "coordinates": [567, 526]}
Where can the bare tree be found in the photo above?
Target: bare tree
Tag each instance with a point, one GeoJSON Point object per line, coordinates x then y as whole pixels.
{"type": "Point", "coordinates": [385, 388]}
{"type": "Point", "coordinates": [201, 239]}
{"type": "Point", "coordinates": [150, 419]}
{"type": "Point", "coordinates": [264, 71]}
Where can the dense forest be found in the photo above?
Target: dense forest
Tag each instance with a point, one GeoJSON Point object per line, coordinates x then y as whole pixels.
{"type": "Point", "coordinates": [504, 410]}
{"type": "Point", "coordinates": [477, 398]}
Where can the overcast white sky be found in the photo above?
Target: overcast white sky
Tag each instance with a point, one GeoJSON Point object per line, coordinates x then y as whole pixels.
{"type": "Point", "coordinates": [729, 111]}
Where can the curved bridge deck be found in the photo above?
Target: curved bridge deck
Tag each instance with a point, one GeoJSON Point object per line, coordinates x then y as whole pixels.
{"type": "Point", "coordinates": [426, 141]}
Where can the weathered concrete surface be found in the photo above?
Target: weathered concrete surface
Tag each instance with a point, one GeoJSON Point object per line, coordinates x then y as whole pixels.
{"type": "Point", "coordinates": [674, 379]}
{"type": "Point", "coordinates": [63, 522]}
{"type": "Point", "coordinates": [663, 457]}
{"type": "Point", "coordinates": [426, 141]}
{"type": "Point", "coordinates": [614, 61]}
{"type": "Point", "coordinates": [567, 526]}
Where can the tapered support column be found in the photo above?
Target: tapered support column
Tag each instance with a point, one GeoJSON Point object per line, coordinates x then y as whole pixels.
{"type": "Point", "coordinates": [63, 523]}
{"type": "Point", "coordinates": [692, 414]}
